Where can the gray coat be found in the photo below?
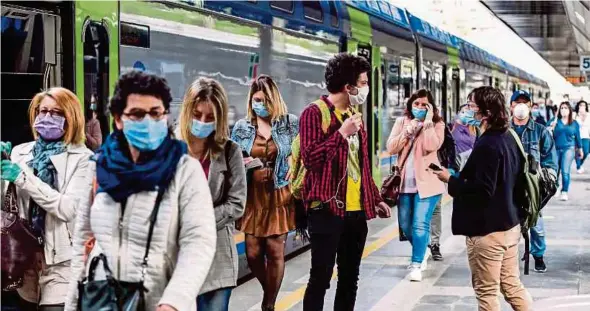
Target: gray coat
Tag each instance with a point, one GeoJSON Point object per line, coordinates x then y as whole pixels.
{"type": "Point", "coordinates": [228, 208]}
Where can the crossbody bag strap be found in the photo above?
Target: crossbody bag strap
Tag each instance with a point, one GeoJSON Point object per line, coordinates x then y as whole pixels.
{"type": "Point", "coordinates": [409, 150]}
{"type": "Point", "coordinates": [153, 218]}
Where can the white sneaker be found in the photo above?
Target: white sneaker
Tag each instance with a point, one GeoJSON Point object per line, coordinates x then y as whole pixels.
{"type": "Point", "coordinates": [581, 170]}
{"type": "Point", "coordinates": [415, 273]}
{"type": "Point", "coordinates": [564, 196]}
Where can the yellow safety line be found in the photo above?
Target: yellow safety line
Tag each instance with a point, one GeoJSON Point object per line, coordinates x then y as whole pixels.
{"type": "Point", "coordinates": [296, 296]}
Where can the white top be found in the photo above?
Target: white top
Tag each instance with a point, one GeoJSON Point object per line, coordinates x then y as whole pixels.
{"type": "Point", "coordinates": [584, 127]}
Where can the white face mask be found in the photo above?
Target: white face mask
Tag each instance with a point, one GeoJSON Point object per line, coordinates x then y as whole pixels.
{"type": "Point", "coordinates": [361, 97]}
{"type": "Point", "coordinates": [521, 111]}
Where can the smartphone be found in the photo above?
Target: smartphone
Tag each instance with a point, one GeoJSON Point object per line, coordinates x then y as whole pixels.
{"type": "Point", "coordinates": [434, 167]}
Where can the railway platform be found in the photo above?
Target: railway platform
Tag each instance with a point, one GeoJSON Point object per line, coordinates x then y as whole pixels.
{"type": "Point", "coordinates": [384, 286]}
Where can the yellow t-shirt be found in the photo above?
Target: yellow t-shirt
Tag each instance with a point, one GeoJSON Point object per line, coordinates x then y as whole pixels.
{"type": "Point", "coordinates": [353, 186]}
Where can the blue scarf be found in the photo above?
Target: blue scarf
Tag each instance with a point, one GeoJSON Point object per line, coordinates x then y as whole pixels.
{"type": "Point", "coordinates": [43, 168]}
{"type": "Point", "coordinates": [120, 177]}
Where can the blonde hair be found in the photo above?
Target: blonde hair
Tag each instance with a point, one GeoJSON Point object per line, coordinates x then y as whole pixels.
{"type": "Point", "coordinates": [69, 103]}
{"type": "Point", "coordinates": [275, 104]}
{"type": "Point", "coordinates": [204, 91]}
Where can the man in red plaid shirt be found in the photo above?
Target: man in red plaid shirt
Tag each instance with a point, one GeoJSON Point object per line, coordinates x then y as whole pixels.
{"type": "Point", "coordinates": [339, 191]}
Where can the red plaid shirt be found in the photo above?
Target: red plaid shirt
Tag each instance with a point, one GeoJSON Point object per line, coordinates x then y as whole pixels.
{"type": "Point", "coordinates": [325, 158]}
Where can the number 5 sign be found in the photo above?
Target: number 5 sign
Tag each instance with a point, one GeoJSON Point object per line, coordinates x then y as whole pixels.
{"type": "Point", "coordinates": [585, 62]}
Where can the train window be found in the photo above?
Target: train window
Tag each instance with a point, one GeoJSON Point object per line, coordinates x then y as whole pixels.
{"type": "Point", "coordinates": [135, 35]}
{"type": "Point", "coordinates": [333, 14]}
{"type": "Point", "coordinates": [286, 6]}
{"type": "Point", "coordinates": [313, 10]}
{"type": "Point", "coordinates": [96, 72]}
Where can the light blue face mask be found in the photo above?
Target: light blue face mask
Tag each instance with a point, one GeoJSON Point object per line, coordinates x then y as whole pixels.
{"type": "Point", "coordinates": [259, 109]}
{"type": "Point", "coordinates": [202, 129]}
{"type": "Point", "coordinates": [419, 114]}
{"type": "Point", "coordinates": [468, 117]}
{"type": "Point", "coordinates": [147, 134]}
{"type": "Point", "coordinates": [536, 113]}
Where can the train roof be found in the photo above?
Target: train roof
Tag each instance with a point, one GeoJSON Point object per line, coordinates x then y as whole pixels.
{"type": "Point", "coordinates": [331, 19]}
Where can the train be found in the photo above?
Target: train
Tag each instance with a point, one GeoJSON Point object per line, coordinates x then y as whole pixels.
{"type": "Point", "coordinates": [86, 45]}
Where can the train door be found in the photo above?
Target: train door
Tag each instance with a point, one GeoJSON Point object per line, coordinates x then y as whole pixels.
{"type": "Point", "coordinates": [97, 56]}
{"type": "Point", "coordinates": [453, 92]}
{"type": "Point", "coordinates": [36, 55]}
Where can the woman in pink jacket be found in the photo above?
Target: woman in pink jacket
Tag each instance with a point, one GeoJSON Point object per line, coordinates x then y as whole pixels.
{"type": "Point", "coordinates": [416, 138]}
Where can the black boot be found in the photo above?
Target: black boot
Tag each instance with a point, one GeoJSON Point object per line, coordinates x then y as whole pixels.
{"type": "Point", "coordinates": [435, 251]}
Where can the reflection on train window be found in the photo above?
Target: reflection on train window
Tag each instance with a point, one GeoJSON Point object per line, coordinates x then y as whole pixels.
{"type": "Point", "coordinates": [313, 10]}
{"type": "Point", "coordinates": [227, 51]}
{"type": "Point", "coordinates": [286, 6]}
{"type": "Point", "coordinates": [333, 14]}
{"type": "Point", "coordinates": [135, 35]}
{"type": "Point", "coordinates": [297, 65]}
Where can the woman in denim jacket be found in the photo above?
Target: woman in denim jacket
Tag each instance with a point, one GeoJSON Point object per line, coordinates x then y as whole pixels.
{"type": "Point", "coordinates": [266, 134]}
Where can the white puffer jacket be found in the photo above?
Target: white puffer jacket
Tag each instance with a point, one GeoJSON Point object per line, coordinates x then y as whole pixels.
{"type": "Point", "coordinates": [183, 243]}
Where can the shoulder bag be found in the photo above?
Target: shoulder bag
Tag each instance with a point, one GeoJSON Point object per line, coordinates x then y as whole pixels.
{"type": "Point", "coordinates": [390, 188]}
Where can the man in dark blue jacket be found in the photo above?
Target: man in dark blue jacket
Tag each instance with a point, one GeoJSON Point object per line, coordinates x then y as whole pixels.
{"type": "Point", "coordinates": [538, 142]}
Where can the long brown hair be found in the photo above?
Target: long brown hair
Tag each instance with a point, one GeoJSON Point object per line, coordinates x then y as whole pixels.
{"type": "Point", "coordinates": [570, 117]}
{"type": "Point", "coordinates": [421, 94]}
{"type": "Point", "coordinates": [274, 101]}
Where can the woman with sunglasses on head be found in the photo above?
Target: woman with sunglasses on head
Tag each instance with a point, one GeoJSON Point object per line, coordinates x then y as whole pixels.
{"type": "Point", "coordinates": [266, 134]}
{"type": "Point", "coordinates": [203, 125]}
{"type": "Point", "coordinates": [53, 178]}
{"type": "Point", "coordinates": [416, 137]}
{"type": "Point", "coordinates": [567, 140]}
{"type": "Point", "coordinates": [152, 216]}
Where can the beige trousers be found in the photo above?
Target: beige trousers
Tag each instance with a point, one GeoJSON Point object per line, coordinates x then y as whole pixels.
{"type": "Point", "coordinates": [493, 260]}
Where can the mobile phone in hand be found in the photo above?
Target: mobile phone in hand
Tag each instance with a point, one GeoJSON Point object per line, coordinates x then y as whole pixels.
{"type": "Point", "coordinates": [434, 167]}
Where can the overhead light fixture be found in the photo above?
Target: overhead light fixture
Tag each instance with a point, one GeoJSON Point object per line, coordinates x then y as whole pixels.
{"type": "Point", "coordinates": [580, 17]}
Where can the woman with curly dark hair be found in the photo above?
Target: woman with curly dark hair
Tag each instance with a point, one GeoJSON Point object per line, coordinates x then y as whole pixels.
{"type": "Point", "coordinates": [583, 119]}
{"type": "Point", "coordinates": [152, 217]}
{"type": "Point", "coordinates": [483, 207]}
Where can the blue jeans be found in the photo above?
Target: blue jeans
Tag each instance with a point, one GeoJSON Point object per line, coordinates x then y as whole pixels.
{"type": "Point", "coordinates": [217, 300]}
{"type": "Point", "coordinates": [414, 216]}
{"type": "Point", "coordinates": [565, 158]}
{"type": "Point", "coordinates": [586, 149]}
{"type": "Point", "coordinates": [538, 245]}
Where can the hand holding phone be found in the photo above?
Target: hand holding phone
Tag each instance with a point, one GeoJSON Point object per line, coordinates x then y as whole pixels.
{"type": "Point", "coordinates": [434, 167]}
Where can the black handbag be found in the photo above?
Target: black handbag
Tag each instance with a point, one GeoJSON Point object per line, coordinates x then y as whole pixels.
{"type": "Point", "coordinates": [113, 294]}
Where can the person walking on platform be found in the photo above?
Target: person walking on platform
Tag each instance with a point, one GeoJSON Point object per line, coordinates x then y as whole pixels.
{"type": "Point", "coordinates": [203, 126]}
{"type": "Point", "coordinates": [567, 140]}
{"type": "Point", "coordinates": [152, 216]}
{"type": "Point", "coordinates": [266, 134]}
{"type": "Point", "coordinates": [338, 172]}
{"type": "Point", "coordinates": [537, 114]}
{"type": "Point", "coordinates": [464, 134]}
{"type": "Point", "coordinates": [536, 141]}
{"type": "Point", "coordinates": [484, 208]}
{"type": "Point", "coordinates": [583, 119]}
{"type": "Point", "coordinates": [52, 177]}
{"type": "Point", "coordinates": [417, 137]}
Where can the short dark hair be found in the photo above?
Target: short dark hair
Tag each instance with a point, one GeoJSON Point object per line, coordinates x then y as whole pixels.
{"type": "Point", "coordinates": [420, 94]}
{"type": "Point", "coordinates": [139, 82]}
{"type": "Point", "coordinates": [491, 104]}
{"type": "Point", "coordinates": [579, 104]}
{"type": "Point", "coordinates": [343, 69]}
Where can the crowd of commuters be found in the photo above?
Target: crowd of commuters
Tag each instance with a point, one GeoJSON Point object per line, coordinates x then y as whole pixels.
{"type": "Point", "coordinates": [158, 206]}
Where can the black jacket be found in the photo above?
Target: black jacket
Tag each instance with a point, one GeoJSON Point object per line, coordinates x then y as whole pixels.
{"type": "Point", "coordinates": [484, 199]}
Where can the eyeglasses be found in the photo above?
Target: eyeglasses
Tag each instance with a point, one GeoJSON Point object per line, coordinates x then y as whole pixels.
{"type": "Point", "coordinates": [52, 112]}
{"type": "Point", "coordinates": [472, 106]}
{"type": "Point", "coordinates": [139, 114]}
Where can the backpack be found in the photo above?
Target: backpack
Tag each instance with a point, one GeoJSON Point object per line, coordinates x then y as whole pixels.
{"type": "Point", "coordinates": [298, 172]}
{"type": "Point", "coordinates": [446, 153]}
{"type": "Point", "coordinates": [529, 199]}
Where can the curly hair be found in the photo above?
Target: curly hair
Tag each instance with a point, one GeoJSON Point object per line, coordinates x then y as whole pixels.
{"type": "Point", "coordinates": [579, 104]}
{"type": "Point", "coordinates": [420, 94]}
{"type": "Point", "coordinates": [343, 69]}
{"type": "Point", "coordinates": [139, 82]}
{"type": "Point", "coordinates": [491, 104]}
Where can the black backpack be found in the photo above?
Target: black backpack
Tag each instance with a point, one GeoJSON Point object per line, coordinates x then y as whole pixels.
{"type": "Point", "coordinates": [446, 153]}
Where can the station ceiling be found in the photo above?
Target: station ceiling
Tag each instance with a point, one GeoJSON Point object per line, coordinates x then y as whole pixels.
{"type": "Point", "coordinates": [557, 30]}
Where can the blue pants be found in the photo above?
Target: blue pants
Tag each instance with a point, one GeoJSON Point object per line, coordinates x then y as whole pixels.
{"type": "Point", "coordinates": [586, 149]}
{"type": "Point", "coordinates": [565, 158]}
{"type": "Point", "coordinates": [538, 245]}
{"type": "Point", "coordinates": [217, 300]}
{"type": "Point", "coordinates": [414, 216]}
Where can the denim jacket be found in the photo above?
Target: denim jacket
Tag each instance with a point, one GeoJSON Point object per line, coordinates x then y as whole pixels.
{"type": "Point", "coordinates": [537, 141]}
{"type": "Point", "coordinates": [283, 132]}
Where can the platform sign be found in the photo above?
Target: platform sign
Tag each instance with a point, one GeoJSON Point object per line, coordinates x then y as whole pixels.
{"type": "Point", "coordinates": [584, 62]}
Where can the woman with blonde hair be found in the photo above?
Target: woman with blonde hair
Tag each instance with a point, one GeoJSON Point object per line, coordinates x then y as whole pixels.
{"type": "Point", "coordinates": [53, 176]}
{"type": "Point", "coordinates": [266, 134]}
{"type": "Point", "coordinates": [204, 127]}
